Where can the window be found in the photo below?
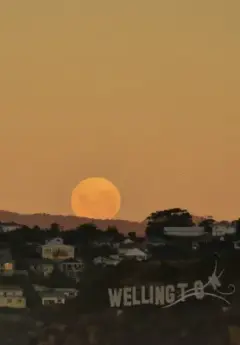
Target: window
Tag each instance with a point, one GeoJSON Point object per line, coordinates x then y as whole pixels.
{"type": "Point", "coordinates": [8, 293]}
{"type": "Point", "coordinates": [49, 301]}
{"type": "Point", "coordinates": [8, 266]}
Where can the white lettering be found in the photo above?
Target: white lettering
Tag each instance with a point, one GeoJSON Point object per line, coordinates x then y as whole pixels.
{"type": "Point", "coordinates": [151, 294]}
{"type": "Point", "coordinates": [170, 294]}
{"type": "Point", "coordinates": [159, 295]}
{"type": "Point", "coordinates": [182, 287]}
{"type": "Point", "coordinates": [166, 296]}
{"type": "Point", "coordinates": [143, 293]}
{"type": "Point", "coordinates": [199, 289]}
{"type": "Point", "coordinates": [115, 297]}
{"type": "Point", "coordinates": [127, 296]}
{"type": "Point", "coordinates": [135, 301]}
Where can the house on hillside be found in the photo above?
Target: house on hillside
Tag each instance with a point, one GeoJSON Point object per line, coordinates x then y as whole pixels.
{"type": "Point", "coordinates": [42, 266]}
{"type": "Point", "coordinates": [190, 235]}
{"type": "Point", "coordinates": [184, 231]}
{"type": "Point", "coordinates": [106, 261]}
{"type": "Point", "coordinates": [136, 254]}
{"type": "Point", "coordinates": [220, 230]}
{"type": "Point", "coordinates": [12, 297]}
{"type": "Point", "coordinates": [10, 226]}
{"type": "Point", "coordinates": [127, 244]}
{"type": "Point", "coordinates": [155, 242]}
{"type": "Point", "coordinates": [71, 267]}
{"type": "Point", "coordinates": [55, 249]}
{"type": "Point", "coordinates": [68, 292]}
{"type": "Point", "coordinates": [7, 264]}
{"type": "Point", "coordinates": [236, 245]}
{"type": "Point", "coordinates": [127, 241]}
{"type": "Point", "coordinates": [104, 241]}
{"type": "Point", "coordinates": [51, 296]}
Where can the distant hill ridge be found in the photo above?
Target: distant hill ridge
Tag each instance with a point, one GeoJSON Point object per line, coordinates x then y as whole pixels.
{"type": "Point", "coordinates": [70, 222]}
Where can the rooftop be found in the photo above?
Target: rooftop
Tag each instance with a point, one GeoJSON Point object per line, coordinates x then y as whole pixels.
{"type": "Point", "coordinates": [192, 231]}
{"type": "Point", "coordinates": [52, 293]}
{"type": "Point", "coordinates": [9, 223]}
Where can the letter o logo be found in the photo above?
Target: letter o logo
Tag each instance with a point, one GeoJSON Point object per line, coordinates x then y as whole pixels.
{"type": "Point", "coordinates": [199, 289]}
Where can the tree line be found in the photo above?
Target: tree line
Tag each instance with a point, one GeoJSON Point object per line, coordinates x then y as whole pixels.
{"type": "Point", "coordinates": [84, 233]}
{"type": "Point", "coordinates": [177, 217]}
{"type": "Point", "coordinates": [89, 232]}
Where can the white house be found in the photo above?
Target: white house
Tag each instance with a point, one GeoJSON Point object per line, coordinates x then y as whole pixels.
{"type": "Point", "coordinates": [127, 241]}
{"type": "Point", "coordinates": [106, 261]}
{"type": "Point", "coordinates": [236, 245]}
{"type": "Point", "coordinates": [12, 297]}
{"type": "Point", "coordinates": [136, 253]}
{"type": "Point", "coordinates": [155, 242]}
{"type": "Point", "coordinates": [68, 292]}
{"type": "Point", "coordinates": [184, 231]}
{"type": "Point", "coordinates": [56, 240]}
{"type": "Point", "coordinates": [114, 257]}
{"type": "Point", "coordinates": [7, 227]}
{"type": "Point", "coordinates": [49, 298]}
{"type": "Point", "coordinates": [11, 290]}
{"type": "Point", "coordinates": [122, 250]}
{"type": "Point", "coordinates": [221, 230]}
{"type": "Point", "coordinates": [55, 249]}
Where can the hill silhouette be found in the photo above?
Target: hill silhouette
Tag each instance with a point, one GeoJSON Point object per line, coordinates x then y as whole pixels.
{"type": "Point", "coordinates": [69, 222]}
{"type": "Point", "coordinates": [44, 220]}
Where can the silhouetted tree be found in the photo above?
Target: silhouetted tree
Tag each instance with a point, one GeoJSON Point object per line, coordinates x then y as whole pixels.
{"type": "Point", "coordinates": [156, 221]}
{"type": "Point", "coordinates": [54, 230]}
{"type": "Point", "coordinates": [36, 228]}
{"type": "Point", "coordinates": [113, 232]}
{"type": "Point", "coordinates": [87, 233]}
{"type": "Point", "coordinates": [132, 235]}
{"type": "Point", "coordinates": [237, 225]}
{"type": "Point", "coordinates": [70, 237]}
{"type": "Point", "coordinates": [58, 278]}
{"type": "Point", "coordinates": [207, 223]}
{"type": "Point", "coordinates": [21, 235]}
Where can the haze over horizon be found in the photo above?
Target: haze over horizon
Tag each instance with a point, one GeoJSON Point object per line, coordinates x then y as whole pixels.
{"type": "Point", "coordinates": [144, 94]}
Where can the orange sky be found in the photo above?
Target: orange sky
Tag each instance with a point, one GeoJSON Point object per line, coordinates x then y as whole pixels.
{"type": "Point", "coordinates": [145, 93]}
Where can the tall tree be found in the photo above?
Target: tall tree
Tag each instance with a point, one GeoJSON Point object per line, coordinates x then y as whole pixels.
{"type": "Point", "coordinates": [113, 233]}
{"type": "Point", "coordinates": [207, 223]}
{"type": "Point", "coordinates": [156, 221]}
{"type": "Point", "coordinates": [87, 232]}
{"type": "Point", "coordinates": [237, 226]}
{"type": "Point", "coordinates": [54, 230]}
{"type": "Point", "coordinates": [132, 235]}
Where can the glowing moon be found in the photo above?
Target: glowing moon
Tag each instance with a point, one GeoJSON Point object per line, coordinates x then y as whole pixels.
{"type": "Point", "coordinates": [96, 197]}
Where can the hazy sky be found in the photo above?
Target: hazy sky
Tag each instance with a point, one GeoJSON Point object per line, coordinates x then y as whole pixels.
{"type": "Point", "coordinates": [144, 93]}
